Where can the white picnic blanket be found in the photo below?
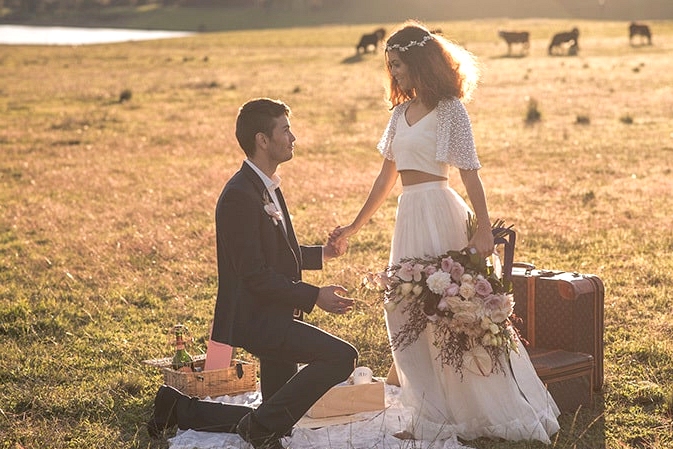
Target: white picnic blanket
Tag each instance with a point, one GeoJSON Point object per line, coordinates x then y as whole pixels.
{"type": "Point", "coordinates": [367, 430]}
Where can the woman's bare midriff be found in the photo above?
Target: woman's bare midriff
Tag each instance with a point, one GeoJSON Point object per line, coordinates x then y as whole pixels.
{"type": "Point", "coordinates": [411, 177]}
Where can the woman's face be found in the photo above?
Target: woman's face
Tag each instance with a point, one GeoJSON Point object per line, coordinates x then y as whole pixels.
{"type": "Point", "coordinates": [400, 71]}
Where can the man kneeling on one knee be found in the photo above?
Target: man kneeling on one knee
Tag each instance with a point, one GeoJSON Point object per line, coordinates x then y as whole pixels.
{"type": "Point", "coordinates": [261, 297]}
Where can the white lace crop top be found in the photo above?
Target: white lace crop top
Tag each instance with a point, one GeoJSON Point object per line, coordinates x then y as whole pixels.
{"type": "Point", "coordinates": [442, 138]}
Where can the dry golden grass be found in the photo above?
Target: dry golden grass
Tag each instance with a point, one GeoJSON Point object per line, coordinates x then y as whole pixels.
{"type": "Point", "coordinates": [107, 228]}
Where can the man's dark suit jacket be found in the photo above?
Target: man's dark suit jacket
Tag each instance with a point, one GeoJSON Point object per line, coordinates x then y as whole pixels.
{"type": "Point", "coordinates": [259, 267]}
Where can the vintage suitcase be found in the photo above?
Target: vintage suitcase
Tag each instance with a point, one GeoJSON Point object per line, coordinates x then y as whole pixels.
{"type": "Point", "coordinates": [561, 311]}
{"type": "Point", "coordinates": [567, 375]}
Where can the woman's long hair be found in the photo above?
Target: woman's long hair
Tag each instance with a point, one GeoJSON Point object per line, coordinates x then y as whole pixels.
{"type": "Point", "coordinates": [439, 68]}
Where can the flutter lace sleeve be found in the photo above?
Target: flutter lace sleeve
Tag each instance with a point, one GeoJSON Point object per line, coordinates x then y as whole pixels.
{"type": "Point", "coordinates": [455, 142]}
{"type": "Point", "coordinates": [385, 144]}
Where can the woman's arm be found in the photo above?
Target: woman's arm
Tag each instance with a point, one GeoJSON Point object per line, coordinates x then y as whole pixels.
{"type": "Point", "coordinates": [482, 240]}
{"type": "Point", "coordinates": [384, 183]}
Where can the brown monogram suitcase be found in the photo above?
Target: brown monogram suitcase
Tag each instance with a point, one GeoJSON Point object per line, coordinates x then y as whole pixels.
{"type": "Point", "coordinates": [562, 321]}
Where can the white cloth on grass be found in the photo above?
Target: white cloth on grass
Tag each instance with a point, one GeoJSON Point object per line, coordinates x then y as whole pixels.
{"type": "Point", "coordinates": [372, 430]}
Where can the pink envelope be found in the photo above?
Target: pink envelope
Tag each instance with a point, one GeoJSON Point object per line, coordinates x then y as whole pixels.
{"type": "Point", "coordinates": [218, 356]}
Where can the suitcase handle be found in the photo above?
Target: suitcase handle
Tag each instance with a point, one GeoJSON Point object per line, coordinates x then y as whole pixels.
{"type": "Point", "coordinates": [507, 238]}
{"type": "Point", "coordinates": [542, 273]}
{"type": "Point", "coordinates": [528, 266]}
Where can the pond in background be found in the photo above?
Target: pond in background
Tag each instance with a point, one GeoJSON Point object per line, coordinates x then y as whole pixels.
{"type": "Point", "coordinates": [33, 35]}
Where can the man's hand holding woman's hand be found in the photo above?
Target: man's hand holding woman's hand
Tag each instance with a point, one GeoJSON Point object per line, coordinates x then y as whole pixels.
{"type": "Point", "coordinates": [337, 243]}
{"type": "Point", "coordinates": [334, 247]}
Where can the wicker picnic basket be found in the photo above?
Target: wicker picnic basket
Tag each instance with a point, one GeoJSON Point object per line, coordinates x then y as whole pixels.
{"type": "Point", "coordinates": [240, 377]}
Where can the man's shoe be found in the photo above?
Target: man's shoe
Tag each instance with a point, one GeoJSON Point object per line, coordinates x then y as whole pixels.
{"type": "Point", "coordinates": [165, 411]}
{"type": "Point", "coordinates": [256, 434]}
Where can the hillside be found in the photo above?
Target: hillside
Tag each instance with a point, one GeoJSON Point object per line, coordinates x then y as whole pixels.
{"type": "Point", "coordinates": [212, 16]}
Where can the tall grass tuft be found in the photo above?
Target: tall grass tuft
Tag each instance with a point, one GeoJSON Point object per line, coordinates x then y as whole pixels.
{"type": "Point", "coordinates": [626, 119]}
{"type": "Point", "coordinates": [582, 119]}
{"type": "Point", "coordinates": [533, 114]}
{"type": "Point", "coordinates": [125, 95]}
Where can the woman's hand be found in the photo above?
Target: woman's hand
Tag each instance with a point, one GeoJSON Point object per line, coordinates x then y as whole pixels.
{"type": "Point", "coordinates": [334, 248]}
{"type": "Point", "coordinates": [482, 241]}
{"type": "Point", "coordinates": [339, 236]}
{"type": "Point", "coordinates": [337, 242]}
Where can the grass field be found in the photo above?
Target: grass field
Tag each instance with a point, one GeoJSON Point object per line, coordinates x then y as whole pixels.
{"type": "Point", "coordinates": [107, 226]}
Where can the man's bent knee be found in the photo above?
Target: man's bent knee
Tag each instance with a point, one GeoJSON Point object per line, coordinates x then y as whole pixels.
{"type": "Point", "coordinates": [347, 360]}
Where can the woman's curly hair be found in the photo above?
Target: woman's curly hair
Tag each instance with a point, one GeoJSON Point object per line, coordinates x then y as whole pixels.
{"type": "Point", "coordinates": [439, 68]}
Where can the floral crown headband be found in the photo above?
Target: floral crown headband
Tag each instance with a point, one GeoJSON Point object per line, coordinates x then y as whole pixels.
{"type": "Point", "coordinates": [403, 48]}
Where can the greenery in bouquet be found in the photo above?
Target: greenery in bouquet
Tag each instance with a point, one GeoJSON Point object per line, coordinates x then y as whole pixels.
{"type": "Point", "coordinates": [464, 299]}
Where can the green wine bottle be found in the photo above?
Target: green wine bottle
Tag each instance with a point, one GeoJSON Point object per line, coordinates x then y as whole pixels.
{"type": "Point", "coordinates": [182, 361]}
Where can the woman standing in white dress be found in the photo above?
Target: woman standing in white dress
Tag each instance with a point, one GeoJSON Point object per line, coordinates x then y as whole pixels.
{"type": "Point", "coordinates": [429, 130]}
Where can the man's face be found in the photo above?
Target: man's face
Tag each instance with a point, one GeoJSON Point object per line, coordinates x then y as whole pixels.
{"type": "Point", "coordinates": [281, 142]}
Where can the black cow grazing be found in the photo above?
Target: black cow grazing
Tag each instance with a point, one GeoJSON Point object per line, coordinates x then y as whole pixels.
{"type": "Point", "coordinates": [516, 37]}
{"type": "Point", "coordinates": [570, 37]}
{"type": "Point", "coordinates": [373, 39]}
{"type": "Point", "coordinates": [642, 30]}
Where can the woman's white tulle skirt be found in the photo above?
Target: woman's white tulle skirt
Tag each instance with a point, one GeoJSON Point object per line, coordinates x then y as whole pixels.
{"type": "Point", "coordinates": [515, 405]}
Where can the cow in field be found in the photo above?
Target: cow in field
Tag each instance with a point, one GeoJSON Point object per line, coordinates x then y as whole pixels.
{"type": "Point", "coordinates": [640, 29]}
{"type": "Point", "coordinates": [516, 37]}
{"type": "Point", "coordinates": [373, 39]}
{"type": "Point", "coordinates": [568, 37]}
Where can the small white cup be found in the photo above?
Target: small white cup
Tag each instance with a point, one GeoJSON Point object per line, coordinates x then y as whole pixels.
{"type": "Point", "coordinates": [362, 375]}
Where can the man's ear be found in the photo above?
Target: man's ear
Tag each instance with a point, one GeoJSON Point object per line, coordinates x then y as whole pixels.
{"type": "Point", "coordinates": [261, 139]}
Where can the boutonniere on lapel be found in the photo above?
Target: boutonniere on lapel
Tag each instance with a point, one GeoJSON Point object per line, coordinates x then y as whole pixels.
{"type": "Point", "coordinates": [271, 209]}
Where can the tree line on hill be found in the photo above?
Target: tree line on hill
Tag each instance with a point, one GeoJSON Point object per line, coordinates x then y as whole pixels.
{"type": "Point", "coordinates": [353, 11]}
{"type": "Point", "coordinates": [22, 8]}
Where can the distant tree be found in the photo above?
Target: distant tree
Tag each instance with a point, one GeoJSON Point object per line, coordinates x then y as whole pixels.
{"type": "Point", "coordinates": [30, 7]}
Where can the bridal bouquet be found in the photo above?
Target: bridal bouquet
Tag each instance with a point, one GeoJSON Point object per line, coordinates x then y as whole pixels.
{"type": "Point", "coordinates": [464, 300]}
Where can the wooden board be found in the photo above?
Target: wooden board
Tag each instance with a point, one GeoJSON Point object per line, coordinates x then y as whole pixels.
{"type": "Point", "coordinates": [349, 399]}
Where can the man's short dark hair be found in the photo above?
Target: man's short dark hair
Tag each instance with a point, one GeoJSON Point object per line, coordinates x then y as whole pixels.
{"type": "Point", "coordinates": [257, 116]}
